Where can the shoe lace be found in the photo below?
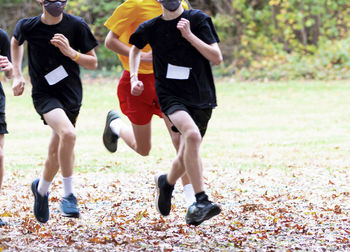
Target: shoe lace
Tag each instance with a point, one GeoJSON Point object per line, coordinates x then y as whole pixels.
{"type": "Point", "coordinates": [70, 201]}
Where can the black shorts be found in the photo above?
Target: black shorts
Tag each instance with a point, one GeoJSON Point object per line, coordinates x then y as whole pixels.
{"type": "Point", "coordinates": [201, 117]}
{"type": "Point", "coordinates": [3, 125]}
{"type": "Point", "coordinates": [46, 103]}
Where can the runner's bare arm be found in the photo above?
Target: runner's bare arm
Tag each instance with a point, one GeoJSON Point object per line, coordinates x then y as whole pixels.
{"type": "Point", "coordinates": [87, 60]}
{"type": "Point", "coordinates": [17, 56]}
{"type": "Point", "coordinates": [210, 52]}
{"type": "Point", "coordinates": [134, 63]}
{"type": "Point", "coordinates": [113, 43]}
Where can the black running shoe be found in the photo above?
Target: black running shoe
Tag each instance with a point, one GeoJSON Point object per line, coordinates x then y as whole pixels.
{"type": "Point", "coordinates": [41, 204]}
{"type": "Point", "coordinates": [69, 206]}
{"type": "Point", "coordinates": [110, 140]}
{"type": "Point", "coordinates": [2, 223]}
{"type": "Point", "coordinates": [201, 211]}
{"type": "Point", "coordinates": [163, 195]}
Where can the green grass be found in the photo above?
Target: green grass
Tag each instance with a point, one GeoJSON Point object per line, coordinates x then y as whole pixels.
{"type": "Point", "coordinates": [256, 125]}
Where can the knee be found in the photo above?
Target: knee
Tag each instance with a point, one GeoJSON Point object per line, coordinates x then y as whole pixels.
{"type": "Point", "coordinates": [69, 136]}
{"type": "Point", "coordinates": [144, 151]}
{"type": "Point", "coordinates": [193, 137]}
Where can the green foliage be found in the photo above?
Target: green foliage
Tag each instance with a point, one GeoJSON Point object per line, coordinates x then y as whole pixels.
{"type": "Point", "coordinates": [274, 39]}
{"type": "Point", "coordinates": [96, 14]}
{"type": "Point", "coordinates": [285, 39]}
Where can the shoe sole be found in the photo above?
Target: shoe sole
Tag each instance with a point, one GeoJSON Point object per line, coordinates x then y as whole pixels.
{"type": "Point", "coordinates": [69, 215]}
{"type": "Point", "coordinates": [111, 147]}
{"type": "Point", "coordinates": [213, 212]}
{"type": "Point", "coordinates": [156, 177]}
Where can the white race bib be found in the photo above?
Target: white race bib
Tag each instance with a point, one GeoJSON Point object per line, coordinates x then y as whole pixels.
{"type": "Point", "coordinates": [178, 72]}
{"type": "Point", "coordinates": [56, 75]}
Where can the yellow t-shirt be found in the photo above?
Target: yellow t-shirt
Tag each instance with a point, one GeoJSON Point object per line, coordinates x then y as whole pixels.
{"type": "Point", "coordinates": [127, 17]}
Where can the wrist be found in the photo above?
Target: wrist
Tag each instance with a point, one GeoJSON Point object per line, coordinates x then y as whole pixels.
{"type": "Point", "coordinates": [17, 75]}
{"type": "Point", "coordinates": [75, 56]}
{"type": "Point", "coordinates": [133, 76]}
{"type": "Point", "coordinates": [191, 38]}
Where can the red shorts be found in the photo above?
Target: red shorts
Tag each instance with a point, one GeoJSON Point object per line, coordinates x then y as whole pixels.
{"type": "Point", "coordinates": [139, 109]}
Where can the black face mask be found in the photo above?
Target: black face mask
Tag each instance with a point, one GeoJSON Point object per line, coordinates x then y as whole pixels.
{"type": "Point", "coordinates": [170, 5]}
{"type": "Point", "coordinates": [55, 8]}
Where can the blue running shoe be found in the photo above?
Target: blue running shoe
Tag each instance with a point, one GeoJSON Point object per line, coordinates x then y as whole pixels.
{"type": "Point", "coordinates": [69, 206]}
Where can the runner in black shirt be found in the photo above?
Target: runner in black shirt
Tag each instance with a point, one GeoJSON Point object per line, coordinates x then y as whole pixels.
{"type": "Point", "coordinates": [5, 66]}
{"type": "Point", "coordinates": [183, 43]}
{"type": "Point", "coordinates": [57, 44]}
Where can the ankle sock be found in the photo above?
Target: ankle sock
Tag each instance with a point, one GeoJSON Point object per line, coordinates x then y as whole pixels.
{"type": "Point", "coordinates": [201, 196]}
{"type": "Point", "coordinates": [116, 126]}
{"type": "Point", "coordinates": [67, 186]}
{"type": "Point", "coordinates": [189, 194]}
{"type": "Point", "coordinates": [43, 186]}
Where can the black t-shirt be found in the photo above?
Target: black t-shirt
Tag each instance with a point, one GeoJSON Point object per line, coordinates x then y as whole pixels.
{"type": "Point", "coordinates": [45, 57]}
{"type": "Point", "coordinates": [169, 47]}
{"type": "Point", "coordinates": [4, 45]}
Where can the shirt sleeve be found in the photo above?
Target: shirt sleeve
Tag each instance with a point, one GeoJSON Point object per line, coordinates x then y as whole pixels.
{"type": "Point", "coordinates": [18, 33]}
{"type": "Point", "coordinates": [87, 41]}
{"type": "Point", "coordinates": [139, 38]}
{"type": "Point", "coordinates": [5, 45]}
{"type": "Point", "coordinates": [123, 16]}
{"type": "Point", "coordinates": [206, 30]}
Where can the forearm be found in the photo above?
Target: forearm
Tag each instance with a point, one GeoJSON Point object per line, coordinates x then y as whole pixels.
{"type": "Point", "coordinates": [134, 60]}
{"type": "Point", "coordinates": [17, 56]}
{"type": "Point", "coordinates": [87, 60]}
{"type": "Point", "coordinates": [210, 52]}
{"type": "Point", "coordinates": [113, 43]}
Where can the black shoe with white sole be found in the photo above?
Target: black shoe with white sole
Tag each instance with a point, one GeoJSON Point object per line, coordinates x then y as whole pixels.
{"type": "Point", "coordinates": [110, 139]}
{"type": "Point", "coordinates": [163, 195]}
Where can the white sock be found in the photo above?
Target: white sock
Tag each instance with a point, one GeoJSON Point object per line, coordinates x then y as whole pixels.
{"type": "Point", "coordinates": [116, 125]}
{"type": "Point", "coordinates": [67, 186]}
{"type": "Point", "coordinates": [189, 195]}
{"type": "Point", "coordinates": [43, 186]}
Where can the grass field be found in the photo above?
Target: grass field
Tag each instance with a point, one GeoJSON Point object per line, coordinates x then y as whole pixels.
{"type": "Point", "coordinates": [285, 125]}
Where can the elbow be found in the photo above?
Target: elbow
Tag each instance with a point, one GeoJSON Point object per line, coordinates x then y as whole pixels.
{"type": "Point", "coordinates": [108, 43]}
{"type": "Point", "coordinates": [93, 65]}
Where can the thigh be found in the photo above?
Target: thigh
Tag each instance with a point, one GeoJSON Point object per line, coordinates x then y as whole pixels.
{"type": "Point", "coordinates": [183, 121]}
{"type": "Point", "coordinates": [175, 136]}
{"type": "Point", "coordinates": [2, 141]}
{"type": "Point", "coordinates": [142, 135]}
{"type": "Point", "coordinates": [58, 120]}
